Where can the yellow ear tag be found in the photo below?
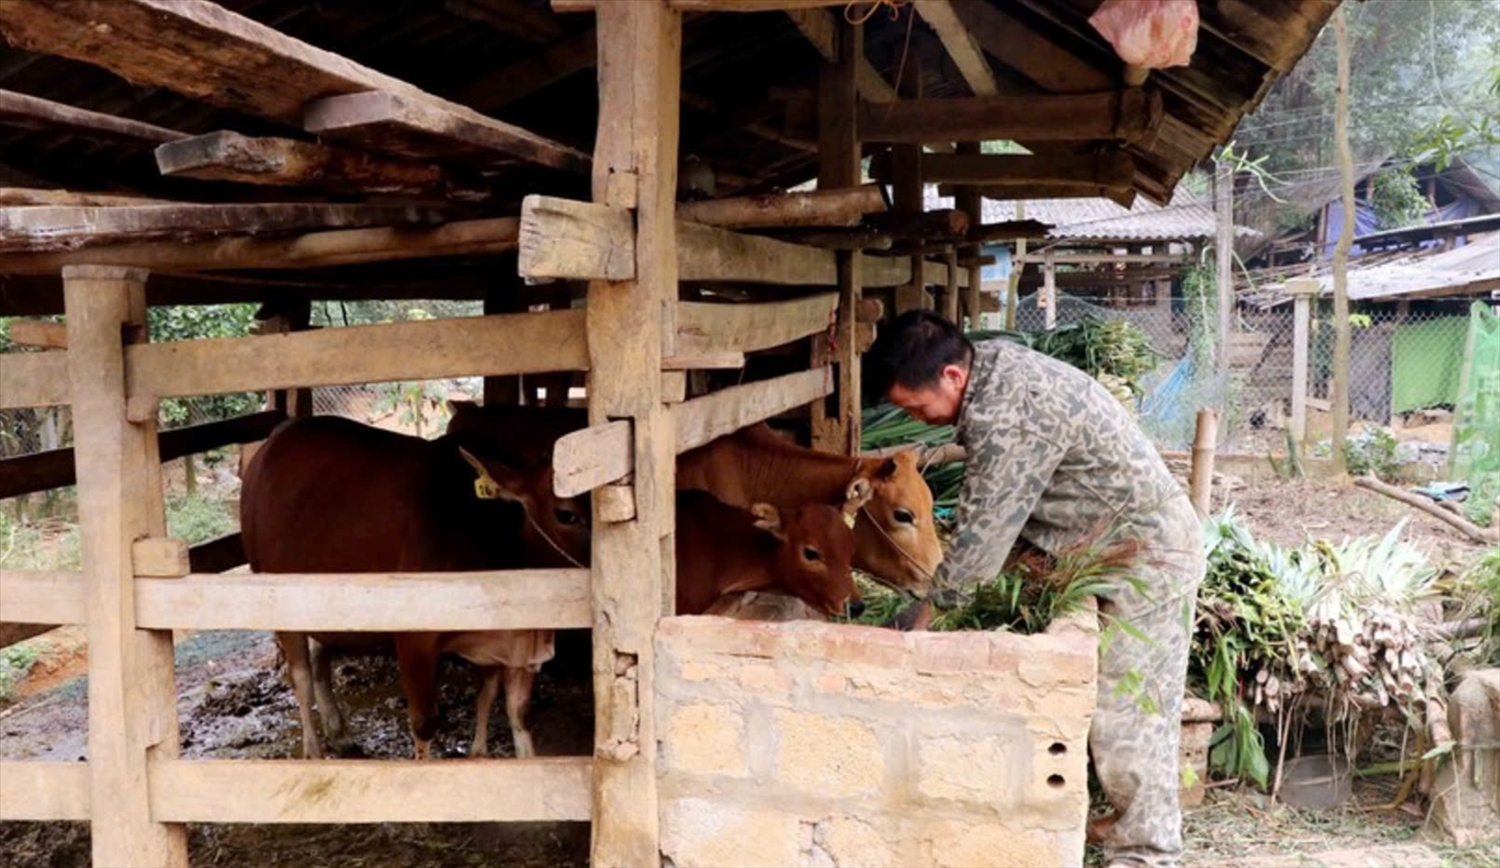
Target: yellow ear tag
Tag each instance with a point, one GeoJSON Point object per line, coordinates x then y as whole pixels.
{"type": "Point", "coordinates": [485, 487]}
{"type": "Point", "coordinates": [849, 519]}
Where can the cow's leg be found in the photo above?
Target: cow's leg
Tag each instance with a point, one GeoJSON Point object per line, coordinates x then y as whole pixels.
{"type": "Point", "coordinates": [488, 690]}
{"type": "Point", "coordinates": [328, 707]}
{"type": "Point", "coordinates": [417, 658]}
{"type": "Point", "coordinates": [518, 680]}
{"type": "Point", "coordinates": [299, 669]}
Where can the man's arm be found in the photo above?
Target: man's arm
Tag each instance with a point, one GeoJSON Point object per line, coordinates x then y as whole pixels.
{"type": "Point", "coordinates": [1007, 470]}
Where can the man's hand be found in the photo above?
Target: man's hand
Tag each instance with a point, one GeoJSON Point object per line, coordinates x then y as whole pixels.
{"type": "Point", "coordinates": [948, 598]}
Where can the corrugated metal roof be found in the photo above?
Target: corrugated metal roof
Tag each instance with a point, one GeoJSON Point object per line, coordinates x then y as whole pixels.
{"type": "Point", "coordinates": [1467, 270]}
{"type": "Point", "coordinates": [1185, 216]}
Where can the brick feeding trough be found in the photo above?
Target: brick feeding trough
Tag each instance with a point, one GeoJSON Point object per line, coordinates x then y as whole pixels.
{"type": "Point", "coordinates": [813, 744]}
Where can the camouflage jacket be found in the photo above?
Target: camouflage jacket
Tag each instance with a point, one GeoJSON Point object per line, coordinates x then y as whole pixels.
{"type": "Point", "coordinates": [1053, 457]}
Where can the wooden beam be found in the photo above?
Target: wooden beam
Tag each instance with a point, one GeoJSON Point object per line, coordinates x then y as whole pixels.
{"type": "Point", "coordinates": [11, 633]}
{"type": "Point", "coordinates": [433, 349]}
{"type": "Point", "coordinates": [44, 790]}
{"type": "Point", "coordinates": [229, 156]}
{"type": "Point", "coordinates": [546, 789]}
{"type": "Point", "coordinates": [159, 557]}
{"type": "Point", "coordinates": [1008, 230]}
{"type": "Point", "coordinates": [508, 600]}
{"type": "Point", "coordinates": [966, 53]}
{"type": "Point", "coordinates": [584, 460]}
{"type": "Point", "coordinates": [1122, 196]}
{"type": "Point", "coordinates": [1115, 168]}
{"type": "Point", "coordinates": [37, 597]}
{"type": "Point", "coordinates": [1129, 114]}
{"type": "Point", "coordinates": [632, 325]}
{"type": "Point", "coordinates": [516, 18]}
{"type": "Point", "coordinates": [827, 206]}
{"type": "Point", "coordinates": [217, 555]}
{"type": "Point", "coordinates": [820, 27]}
{"type": "Point", "coordinates": [567, 239]}
{"type": "Point", "coordinates": [704, 419]}
{"type": "Point", "coordinates": [207, 53]}
{"type": "Point", "coordinates": [1051, 65]}
{"type": "Point", "coordinates": [523, 77]}
{"type": "Point", "coordinates": [54, 468]}
{"type": "Point", "coordinates": [419, 127]}
{"type": "Point", "coordinates": [35, 113]}
{"type": "Point", "coordinates": [707, 253]}
{"type": "Point", "coordinates": [10, 196]}
{"type": "Point", "coordinates": [1105, 258]}
{"type": "Point", "coordinates": [312, 250]}
{"type": "Point", "coordinates": [861, 240]}
{"type": "Point", "coordinates": [130, 671]}
{"type": "Point", "coordinates": [33, 379]}
{"type": "Point", "coordinates": [39, 333]}
{"type": "Point", "coordinates": [47, 228]}
{"type": "Point", "coordinates": [703, 326]}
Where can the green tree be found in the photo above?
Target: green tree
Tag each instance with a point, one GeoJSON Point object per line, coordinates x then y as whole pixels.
{"type": "Point", "coordinates": [192, 322]}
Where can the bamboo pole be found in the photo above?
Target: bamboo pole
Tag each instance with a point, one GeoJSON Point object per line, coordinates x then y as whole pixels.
{"type": "Point", "coordinates": [1303, 292]}
{"type": "Point", "coordinates": [1340, 396]}
{"type": "Point", "coordinates": [1201, 479]}
{"type": "Point", "coordinates": [1416, 501]}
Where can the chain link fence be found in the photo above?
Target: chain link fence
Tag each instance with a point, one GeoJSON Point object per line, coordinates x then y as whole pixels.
{"type": "Point", "coordinates": [1405, 363]}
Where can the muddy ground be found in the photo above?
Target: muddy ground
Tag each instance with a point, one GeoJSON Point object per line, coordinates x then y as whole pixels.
{"type": "Point", "coordinates": [234, 702]}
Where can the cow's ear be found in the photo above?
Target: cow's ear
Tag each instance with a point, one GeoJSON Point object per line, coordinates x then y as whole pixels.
{"type": "Point", "coordinates": [768, 519]}
{"type": "Point", "coordinates": [857, 495]}
{"type": "Point", "coordinates": [486, 485]}
{"type": "Point", "coordinates": [458, 407]}
{"type": "Point", "coordinates": [888, 468]}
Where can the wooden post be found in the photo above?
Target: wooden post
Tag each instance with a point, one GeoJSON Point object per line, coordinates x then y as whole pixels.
{"type": "Point", "coordinates": [132, 697]}
{"type": "Point", "coordinates": [1049, 288]}
{"type": "Point", "coordinates": [950, 292]}
{"type": "Point", "coordinates": [906, 195]}
{"type": "Point", "coordinates": [1201, 481]}
{"type": "Point", "coordinates": [839, 154]}
{"type": "Point", "coordinates": [1013, 286]}
{"type": "Point", "coordinates": [504, 390]}
{"type": "Point", "coordinates": [1224, 248]}
{"type": "Point", "coordinates": [632, 324]}
{"type": "Point", "coordinates": [1303, 291]}
{"type": "Point", "coordinates": [1341, 336]}
{"type": "Point", "coordinates": [968, 201]}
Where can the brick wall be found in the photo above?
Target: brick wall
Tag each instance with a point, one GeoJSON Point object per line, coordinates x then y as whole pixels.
{"type": "Point", "coordinates": [813, 744]}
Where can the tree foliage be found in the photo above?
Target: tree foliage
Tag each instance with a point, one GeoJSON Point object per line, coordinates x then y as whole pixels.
{"type": "Point", "coordinates": [192, 322]}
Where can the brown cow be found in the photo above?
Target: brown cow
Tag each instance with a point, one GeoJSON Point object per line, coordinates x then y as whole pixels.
{"type": "Point", "coordinates": [802, 551]}
{"type": "Point", "coordinates": [325, 494]}
{"type": "Point", "coordinates": [895, 535]}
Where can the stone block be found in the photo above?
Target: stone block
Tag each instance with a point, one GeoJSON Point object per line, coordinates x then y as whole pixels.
{"type": "Point", "coordinates": [702, 738]}
{"type": "Point", "coordinates": [851, 842]}
{"type": "Point", "coordinates": [981, 770]}
{"type": "Point", "coordinates": [713, 833]}
{"type": "Point", "coordinates": [826, 755]}
{"type": "Point", "coordinates": [971, 843]}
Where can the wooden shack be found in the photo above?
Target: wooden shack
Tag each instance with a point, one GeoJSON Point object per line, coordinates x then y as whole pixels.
{"type": "Point", "coordinates": [604, 176]}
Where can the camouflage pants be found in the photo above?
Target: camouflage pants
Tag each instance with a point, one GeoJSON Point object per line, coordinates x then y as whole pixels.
{"type": "Point", "coordinates": [1134, 739]}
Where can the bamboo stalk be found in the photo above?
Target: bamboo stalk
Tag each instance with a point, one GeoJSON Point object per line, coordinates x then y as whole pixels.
{"type": "Point", "coordinates": [1201, 479]}
{"type": "Point", "coordinates": [1341, 250]}
{"type": "Point", "coordinates": [1473, 531]}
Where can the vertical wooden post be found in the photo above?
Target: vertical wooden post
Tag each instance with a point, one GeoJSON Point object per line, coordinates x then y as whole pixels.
{"type": "Point", "coordinates": [968, 201]}
{"type": "Point", "coordinates": [1049, 288]}
{"type": "Point", "coordinates": [906, 196]}
{"type": "Point", "coordinates": [950, 290]}
{"type": "Point", "coordinates": [1341, 335]}
{"type": "Point", "coordinates": [132, 698]}
{"type": "Point", "coordinates": [1013, 286]}
{"type": "Point", "coordinates": [839, 167]}
{"type": "Point", "coordinates": [1303, 292]}
{"type": "Point", "coordinates": [631, 325]}
{"type": "Point", "coordinates": [504, 390]}
{"type": "Point", "coordinates": [1224, 247]}
{"type": "Point", "coordinates": [1201, 476]}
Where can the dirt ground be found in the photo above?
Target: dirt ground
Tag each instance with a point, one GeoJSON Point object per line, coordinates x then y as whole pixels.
{"type": "Point", "coordinates": [234, 702]}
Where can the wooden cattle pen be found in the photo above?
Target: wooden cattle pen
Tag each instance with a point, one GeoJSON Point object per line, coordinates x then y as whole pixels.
{"type": "Point", "coordinates": [168, 152]}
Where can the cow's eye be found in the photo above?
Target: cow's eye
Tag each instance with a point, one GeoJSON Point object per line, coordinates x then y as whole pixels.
{"type": "Point", "coordinates": [811, 554]}
{"type": "Point", "coordinates": [567, 517]}
{"type": "Point", "coordinates": [905, 516]}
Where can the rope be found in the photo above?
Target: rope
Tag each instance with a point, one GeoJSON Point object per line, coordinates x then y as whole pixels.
{"type": "Point", "coordinates": [555, 546]}
{"type": "Point", "coordinates": [894, 5]}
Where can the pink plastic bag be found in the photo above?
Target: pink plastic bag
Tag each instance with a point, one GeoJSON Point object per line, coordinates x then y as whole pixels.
{"type": "Point", "coordinates": [1149, 33]}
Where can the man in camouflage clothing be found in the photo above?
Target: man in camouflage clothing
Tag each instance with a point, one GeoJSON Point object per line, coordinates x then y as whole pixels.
{"type": "Point", "coordinates": [1053, 458]}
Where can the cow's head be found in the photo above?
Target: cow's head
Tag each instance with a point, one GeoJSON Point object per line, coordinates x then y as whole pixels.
{"type": "Point", "coordinates": [554, 530]}
{"type": "Point", "coordinates": [895, 536]}
{"type": "Point", "coordinates": [814, 552]}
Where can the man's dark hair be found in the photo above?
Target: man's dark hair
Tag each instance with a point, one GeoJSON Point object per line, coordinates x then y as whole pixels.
{"type": "Point", "coordinates": [913, 350]}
